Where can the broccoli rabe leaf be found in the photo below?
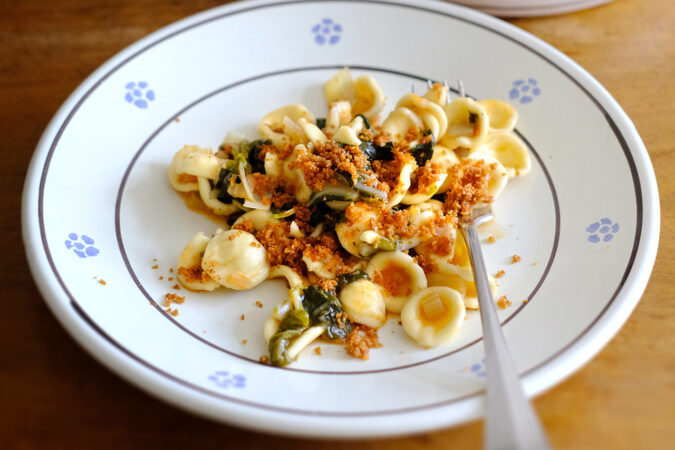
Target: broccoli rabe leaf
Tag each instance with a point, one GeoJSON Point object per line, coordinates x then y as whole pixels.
{"type": "Point", "coordinates": [344, 279]}
{"type": "Point", "coordinates": [222, 184]}
{"type": "Point", "coordinates": [423, 152]}
{"type": "Point", "coordinates": [292, 326]}
{"type": "Point", "coordinates": [279, 345]}
{"type": "Point", "coordinates": [374, 152]}
{"type": "Point", "coordinates": [255, 147]}
{"type": "Point", "coordinates": [324, 309]}
{"type": "Point", "coordinates": [321, 122]}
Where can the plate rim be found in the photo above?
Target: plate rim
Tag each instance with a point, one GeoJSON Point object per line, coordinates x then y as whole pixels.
{"type": "Point", "coordinates": [553, 371]}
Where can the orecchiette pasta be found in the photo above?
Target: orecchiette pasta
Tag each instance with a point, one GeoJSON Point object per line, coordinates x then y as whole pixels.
{"type": "Point", "coordinates": [235, 259]}
{"type": "Point", "coordinates": [433, 315]}
{"type": "Point", "coordinates": [359, 215]}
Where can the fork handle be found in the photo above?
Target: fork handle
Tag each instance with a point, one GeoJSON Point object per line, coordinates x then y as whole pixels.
{"type": "Point", "coordinates": [510, 420]}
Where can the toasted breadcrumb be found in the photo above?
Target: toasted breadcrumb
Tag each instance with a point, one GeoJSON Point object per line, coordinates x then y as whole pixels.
{"type": "Point", "coordinates": [161, 278]}
{"type": "Point", "coordinates": [174, 312]}
{"type": "Point", "coordinates": [500, 274]}
{"type": "Point", "coordinates": [102, 281]}
{"type": "Point", "coordinates": [244, 341]}
{"type": "Point", "coordinates": [264, 359]}
{"type": "Point", "coordinates": [242, 317]}
{"type": "Point", "coordinates": [155, 266]}
{"type": "Point", "coordinates": [503, 302]}
{"type": "Point", "coordinates": [176, 286]}
{"type": "Point", "coordinates": [492, 240]}
{"type": "Point", "coordinates": [361, 339]}
{"type": "Point", "coordinates": [171, 269]}
{"type": "Point", "coordinates": [258, 304]}
{"type": "Point", "coordinates": [515, 259]}
{"type": "Point", "coordinates": [525, 301]}
{"type": "Point", "coordinates": [175, 298]}
{"type": "Point", "coordinates": [317, 350]}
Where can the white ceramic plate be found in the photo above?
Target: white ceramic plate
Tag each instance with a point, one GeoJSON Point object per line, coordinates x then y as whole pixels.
{"type": "Point", "coordinates": [97, 205]}
{"type": "Point", "coordinates": [526, 8]}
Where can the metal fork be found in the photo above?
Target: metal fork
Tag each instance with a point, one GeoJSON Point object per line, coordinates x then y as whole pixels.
{"type": "Point", "coordinates": [510, 420]}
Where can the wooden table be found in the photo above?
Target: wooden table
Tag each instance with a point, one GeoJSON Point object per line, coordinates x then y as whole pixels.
{"type": "Point", "coordinates": [53, 395]}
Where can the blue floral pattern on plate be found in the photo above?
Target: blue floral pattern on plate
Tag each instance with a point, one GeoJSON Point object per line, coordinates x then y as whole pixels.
{"type": "Point", "coordinates": [327, 31]}
{"type": "Point", "coordinates": [524, 90]}
{"type": "Point", "coordinates": [225, 380]}
{"type": "Point", "coordinates": [82, 246]}
{"type": "Point", "coordinates": [138, 94]}
{"type": "Point", "coordinates": [602, 230]}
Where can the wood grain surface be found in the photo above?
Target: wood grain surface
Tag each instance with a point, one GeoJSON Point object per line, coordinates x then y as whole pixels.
{"type": "Point", "coordinates": [53, 395]}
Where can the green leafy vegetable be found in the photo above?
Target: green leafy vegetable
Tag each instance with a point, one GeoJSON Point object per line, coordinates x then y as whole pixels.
{"type": "Point", "coordinates": [321, 212]}
{"type": "Point", "coordinates": [222, 184]}
{"type": "Point", "coordinates": [321, 122]}
{"type": "Point", "coordinates": [377, 152]}
{"type": "Point", "coordinates": [423, 152]}
{"type": "Point", "coordinates": [473, 117]}
{"type": "Point", "coordinates": [294, 323]}
{"type": "Point", "coordinates": [253, 158]}
{"type": "Point", "coordinates": [344, 279]}
{"type": "Point", "coordinates": [333, 193]}
{"type": "Point", "coordinates": [324, 309]}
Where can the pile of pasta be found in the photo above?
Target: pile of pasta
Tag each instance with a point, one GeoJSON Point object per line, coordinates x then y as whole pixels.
{"type": "Point", "coordinates": [357, 211]}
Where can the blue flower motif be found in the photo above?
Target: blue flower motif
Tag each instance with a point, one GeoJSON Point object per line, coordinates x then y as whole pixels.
{"type": "Point", "coordinates": [82, 246]}
{"type": "Point", "coordinates": [327, 31]}
{"type": "Point", "coordinates": [138, 94]}
{"type": "Point", "coordinates": [524, 90]}
{"type": "Point", "coordinates": [602, 230]}
{"type": "Point", "coordinates": [223, 379]}
{"type": "Point", "coordinates": [478, 369]}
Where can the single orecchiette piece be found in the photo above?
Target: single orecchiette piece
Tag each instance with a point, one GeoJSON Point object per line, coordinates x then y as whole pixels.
{"type": "Point", "coordinates": [278, 124]}
{"type": "Point", "coordinates": [349, 234]}
{"type": "Point", "coordinates": [432, 115]}
{"type": "Point", "coordinates": [369, 99]}
{"type": "Point", "coordinates": [433, 315]}
{"type": "Point", "coordinates": [181, 181]}
{"type": "Point", "coordinates": [189, 272]}
{"type": "Point", "coordinates": [364, 94]}
{"type": "Point", "coordinates": [235, 259]}
{"type": "Point", "coordinates": [364, 303]}
{"type": "Point", "coordinates": [398, 275]}
{"type": "Point", "coordinates": [340, 87]}
{"type": "Point", "coordinates": [511, 152]}
{"type": "Point", "coordinates": [503, 116]}
{"type": "Point", "coordinates": [468, 123]}
{"type": "Point", "coordinates": [498, 175]}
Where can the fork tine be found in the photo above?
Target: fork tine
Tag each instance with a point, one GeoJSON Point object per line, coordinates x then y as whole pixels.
{"type": "Point", "coordinates": [461, 88]}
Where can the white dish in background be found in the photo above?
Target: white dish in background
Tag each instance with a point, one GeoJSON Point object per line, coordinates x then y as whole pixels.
{"type": "Point", "coordinates": [97, 205]}
{"type": "Point", "coordinates": [529, 8]}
